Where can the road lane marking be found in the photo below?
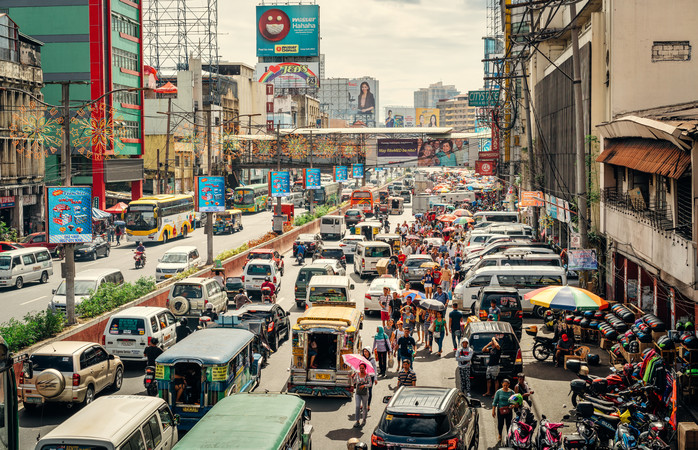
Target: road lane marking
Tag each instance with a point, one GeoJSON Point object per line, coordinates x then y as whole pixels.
{"type": "Point", "coordinates": [32, 301]}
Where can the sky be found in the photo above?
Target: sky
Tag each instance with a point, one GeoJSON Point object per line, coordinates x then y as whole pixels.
{"type": "Point", "coordinates": [404, 44]}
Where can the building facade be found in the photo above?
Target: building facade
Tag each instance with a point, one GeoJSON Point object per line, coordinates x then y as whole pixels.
{"type": "Point", "coordinates": [429, 97]}
{"type": "Point", "coordinates": [457, 114]}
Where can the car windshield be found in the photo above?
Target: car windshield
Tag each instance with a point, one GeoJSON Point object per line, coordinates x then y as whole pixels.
{"type": "Point", "coordinates": [174, 258]}
{"type": "Point", "coordinates": [417, 262]}
{"type": "Point", "coordinates": [332, 253]}
{"type": "Point", "coordinates": [479, 340]}
{"type": "Point", "coordinates": [505, 302]}
{"type": "Point", "coordinates": [261, 255]}
{"type": "Point", "coordinates": [187, 291]}
{"type": "Point", "coordinates": [352, 213]}
{"type": "Point", "coordinates": [62, 363]}
{"type": "Point", "coordinates": [378, 283]}
{"type": "Point", "coordinates": [332, 294]}
{"type": "Point", "coordinates": [27, 239]}
{"type": "Point", "coordinates": [82, 287]}
{"type": "Point", "coordinates": [127, 325]}
{"type": "Point", "coordinates": [243, 196]}
{"type": "Point", "coordinates": [414, 425]}
{"type": "Point", "coordinates": [306, 274]}
{"type": "Point", "coordinates": [5, 262]}
{"type": "Point", "coordinates": [258, 269]}
{"type": "Point", "coordinates": [378, 252]}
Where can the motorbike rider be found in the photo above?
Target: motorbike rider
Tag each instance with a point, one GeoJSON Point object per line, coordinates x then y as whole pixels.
{"type": "Point", "coordinates": [152, 351]}
{"type": "Point", "coordinates": [300, 253]}
{"type": "Point", "coordinates": [209, 312]}
{"type": "Point", "coordinates": [182, 330]}
{"type": "Point", "coordinates": [141, 248]}
{"type": "Point", "coordinates": [269, 286]}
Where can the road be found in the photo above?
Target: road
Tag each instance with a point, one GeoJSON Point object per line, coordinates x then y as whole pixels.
{"type": "Point", "coordinates": [35, 296]}
{"type": "Point", "coordinates": [332, 419]}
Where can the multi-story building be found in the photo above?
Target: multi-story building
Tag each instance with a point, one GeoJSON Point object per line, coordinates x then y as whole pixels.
{"type": "Point", "coordinates": [428, 97]}
{"type": "Point", "coordinates": [21, 156]}
{"type": "Point", "coordinates": [97, 44]}
{"type": "Point", "coordinates": [457, 114]}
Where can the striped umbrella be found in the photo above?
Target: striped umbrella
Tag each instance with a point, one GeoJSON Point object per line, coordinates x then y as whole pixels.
{"type": "Point", "coordinates": [412, 295]}
{"type": "Point", "coordinates": [567, 298]}
{"type": "Point", "coordinates": [463, 221]}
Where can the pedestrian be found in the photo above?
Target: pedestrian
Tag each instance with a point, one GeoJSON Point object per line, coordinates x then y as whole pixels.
{"type": "Point", "coordinates": [419, 316]}
{"type": "Point", "coordinates": [362, 381]}
{"type": "Point", "coordinates": [430, 330]}
{"type": "Point", "coordinates": [384, 302]}
{"type": "Point", "coordinates": [394, 307]}
{"type": "Point", "coordinates": [493, 313]}
{"type": "Point", "coordinates": [522, 388]}
{"type": "Point", "coordinates": [440, 330]}
{"type": "Point", "coordinates": [405, 347]}
{"type": "Point", "coordinates": [391, 268]}
{"type": "Point", "coordinates": [118, 236]}
{"type": "Point", "coordinates": [446, 277]}
{"type": "Point", "coordinates": [464, 356]}
{"type": "Point", "coordinates": [241, 299]}
{"type": "Point", "coordinates": [441, 295]}
{"type": "Point", "coordinates": [110, 233]}
{"type": "Point", "coordinates": [381, 345]}
{"type": "Point", "coordinates": [501, 409]}
{"type": "Point", "coordinates": [408, 317]}
{"type": "Point", "coordinates": [455, 318]}
{"type": "Point", "coordinates": [406, 377]}
{"type": "Point", "coordinates": [428, 282]}
{"type": "Point", "coordinates": [368, 354]}
{"type": "Point", "coordinates": [492, 371]}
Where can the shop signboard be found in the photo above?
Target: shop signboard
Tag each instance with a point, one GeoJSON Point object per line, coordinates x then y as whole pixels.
{"type": "Point", "coordinates": [483, 98]}
{"type": "Point", "coordinates": [357, 171]}
{"type": "Point", "coordinates": [210, 195]}
{"type": "Point", "coordinates": [531, 198]}
{"type": "Point", "coordinates": [291, 75]}
{"type": "Point", "coordinates": [312, 178]}
{"type": "Point", "coordinates": [7, 202]}
{"type": "Point", "coordinates": [280, 184]}
{"type": "Point", "coordinates": [341, 174]}
{"type": "Point", "coordinates": [485, 167]}
{"type": "Point", "coordinates": [584, 259]}
{"type": "Point", "coordinates": [69, 214]}
{"type": "Point", "coordinates": [288, 30]}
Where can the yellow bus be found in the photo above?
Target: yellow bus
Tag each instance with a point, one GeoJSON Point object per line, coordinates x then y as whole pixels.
{"type": "Point", "coordinates": [159, 218]}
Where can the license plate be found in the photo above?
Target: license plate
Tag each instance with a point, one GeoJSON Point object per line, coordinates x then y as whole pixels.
{"type": "Point", "coordinates": [506, 314]}
{"type": "Point", "coordinates": [323, 376]}
{"type": "Point", "coordinates": [127, 343]}
{"type": "Point", "coordinates": [167, 276]}
{"type": "Point", "coordinates": [191, 409]}
{"type": "Point", "coordinates": [33, 400]}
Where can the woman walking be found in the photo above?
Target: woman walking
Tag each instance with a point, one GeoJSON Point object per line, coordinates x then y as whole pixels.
{"type": "Point", "coordinates": [440, 330]}
{"type": "Point", "coordinates": [501, 409]}
{"type": "Point", "coordinates": [429, 324]}
{"type": "Point", "coordinates": [419, 324]}
{"type": "Point", "coordinates": [366, 353]}
{"type": "Point", "coordinates": [428, 282]}
{"type": "Point", "coordinates": [362, 382]}
{"type": "Point", "coordinates": [381, 345]}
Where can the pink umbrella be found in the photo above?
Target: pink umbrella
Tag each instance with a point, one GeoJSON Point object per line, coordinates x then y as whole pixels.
{"type": "Point", "coordinates": [354, 361]}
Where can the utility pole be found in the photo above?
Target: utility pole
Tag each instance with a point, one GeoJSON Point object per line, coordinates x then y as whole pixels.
{"type": "Point", "coordinates": [249, 148]}
{"type": "Point", "coordinates": [278, 165]}
{"type": "Point", "coordinates": [157, 186]}
{"type": "Point", "coordinates": [68, 249]}
{"type": "Point", "coordinates": [209, 215]}
{"type": "Point", "coordinates": [579, 133]}
{"type": "Point", "coordinates": [311, 192]}
{"type": "Point", "coordinates": [167, 150]}
{"type": "Point", "coordinates": [529, 142]}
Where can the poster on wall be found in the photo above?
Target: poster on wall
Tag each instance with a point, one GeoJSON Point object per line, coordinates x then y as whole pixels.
{"type": "Point", "coordinates": [341, 174]}
{"type": "Point", "coordinates": [397, 152]}
{"type": "Point", "coordinates": [442, 152]}
{"type": "Point", "coordinates": [210, 195]}
{"type": "Point", "coordinates": [280, 184]}
{"type": "Point", "coordinates": [69, 214]}
{"type": "Point", "coordinates": [312, 178]}
{"type": "Point", "coordinates": [363, 100]}
{"type": "Point", "coordinates": [288, 30]}
{"type": "Point", "coordinates": [399, 117]}
{"type": "Point", "coordinates": [582, 260]}
{"type": "Point", "coordinates": [357, 171]}
{"type": "Point", "coordinates": [427, 117]}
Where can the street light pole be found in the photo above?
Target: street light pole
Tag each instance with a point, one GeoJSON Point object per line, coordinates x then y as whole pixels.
{"type": "Point", "coordinates": [68, 249]}
{"type": "Point", "coordinates": [209, 216]}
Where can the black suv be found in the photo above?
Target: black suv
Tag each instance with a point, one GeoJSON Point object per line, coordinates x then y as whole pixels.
{"type": "Point", "coordinates": [480, 334]}
{"type": "Point", "coordinates": [428, 417]}
{"type": "Point", "coordinates": [508, 301]}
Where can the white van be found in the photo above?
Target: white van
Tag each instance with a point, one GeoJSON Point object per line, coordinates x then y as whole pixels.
{"type": "Point", "coordinates": [129, 332]}
{"type": "Point", "coordinates": [510, 258]}
{"type": "Point", "coordinates": [175, 260]}
{"type": "Point", "coordinates": [496, 216]}
{"type": "Point", "coordinates": [523, 278]}
{"type": "Point", "coordinates": [297, 198]}
{"type": "Point", "coordinates": [25, 264]}
{"type": "Point", "coordinates": [116, 422]}
{"type": "Point", "coordinates": [368, 254]}
{"type": "Point", "coordinates": [329, 289]}
{"type": "Point", "coordinates": [85, 282]}
{"type": "Point", "coordinates": [332, 228]}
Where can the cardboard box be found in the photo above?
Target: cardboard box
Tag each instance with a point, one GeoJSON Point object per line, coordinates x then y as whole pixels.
{"type": "Point", "coordinates": [630, 357]}
{"type": "Point", "coordinates": [645, 345]}
{"type": "Point", "coordinates": [382, 266]}
{"type": "Point", "coordinates": [606, 344]}
{"type": "Point", "coordinates": [688, 435]}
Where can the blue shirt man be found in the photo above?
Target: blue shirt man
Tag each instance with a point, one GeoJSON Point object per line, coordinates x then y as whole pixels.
{"type": "Point", "coordinates": [441, 295]}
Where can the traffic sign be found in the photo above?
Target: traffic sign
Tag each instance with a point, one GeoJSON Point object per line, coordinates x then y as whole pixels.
{"type": "Point", "coordinates": [483, 98]}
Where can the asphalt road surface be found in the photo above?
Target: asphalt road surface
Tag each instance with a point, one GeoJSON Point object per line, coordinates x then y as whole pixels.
{"type": "Point", "coordinates": [333, 419]}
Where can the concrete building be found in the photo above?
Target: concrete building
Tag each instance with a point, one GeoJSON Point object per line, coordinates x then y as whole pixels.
{"type": "Point", "coordinates": [428, 97]}
{"type": "Point", "coordinates": [299, 111]}
{"type": "Point", "coordinates": [99, 44]}
{"type": "Point", "coordinates": [21, 156]}
{"type": "Point", "coordinates": [457, 113]}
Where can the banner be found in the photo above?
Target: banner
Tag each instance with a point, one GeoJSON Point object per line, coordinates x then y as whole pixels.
{"type": "Point", "coordinates": [363, 100]}
{"type": "Point", "coordinates": [399, 117]}
{"type": "Point", "coordinates": [442, 152]}
{"type": "Point", "coordinates": [531, 198]}
{"type": "Point", "coordinates": [427, 117]}
{"type": "Point", "coordinates": [69, 214]}
{"type": "Point", "coordinates": [289, 74]}
{"type": "Point", "coordinates": [561, 216]}
{"type": "Point", "coordinates": [312, 178]}
{"type": "Point", "coordinates": [397, 152]}
{"type": "Point", "coordinates": [288, 30]}
{"type": "Point", "coordinates": [485, 167]}
{"type": "Point", "coordinates": [488, 155]}
{"type": "Point", "coordinates": [341, 174]}
{"type": "Point", "coordinates": [582, 260]}
{"type": "Point", "coordinates": [279, 184]}
{"type": "Point", "coordinates": [210, 195]}
{"type": "Point", "coordinates": [357, 170]}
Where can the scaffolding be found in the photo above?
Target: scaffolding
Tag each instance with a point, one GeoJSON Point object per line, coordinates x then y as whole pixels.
{"type": "Point", "coordinates": [174, 30]}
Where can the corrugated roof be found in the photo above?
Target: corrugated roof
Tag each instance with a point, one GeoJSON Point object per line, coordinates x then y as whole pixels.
{"type": "Point", "coordinates": [646, 155]}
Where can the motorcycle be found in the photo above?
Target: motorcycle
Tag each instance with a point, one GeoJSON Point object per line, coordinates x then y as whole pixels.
{"type": "Point", "coordinates": [300, 259]}
{"type": "Point", "coordinates": [600, 387]}
{"type": "Point", "coordinates": [139, 258]}
{"type": "Point", "coordinates": [520, 435]}
{"type": "Point", "coordinates": [543, 347]}
{"type": "Point", "coordinates": [149, 382]}
{"type": "Point", "coordinates": [267, 296]}
{"type": "Point", "coordinates": [549, 436]}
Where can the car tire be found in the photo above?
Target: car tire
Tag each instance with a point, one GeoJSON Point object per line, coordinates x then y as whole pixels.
{"type": "Point", "coordinates": [185, 231]}
{"type": "Point", "coordinates": [164, 238]}
{"type": "Point", "coordinates": [94, 255]}
{"type": "Point", "coordinates": [475, 441]}
{"type": "Point", "coordinates": [89, 395]}
{"type": "Point", "coordinates": [19, 283]}
{"type": "Point", "coordinates": [300, 305]}
{"type": "Point", "coordinates": [118, 379]}
{"type": "Point", "coordinates": [281, 271]}
{"type": "Point", "coordinates": [29, 407]}
{"type": "Point", "coordinates": [44, 277]}
{"type": "Point", "coordinates": [106, 254]}
{"type": "Point", "coordinates": [539, 312]}
{"type": "Point", "coordinates": [275, 343]}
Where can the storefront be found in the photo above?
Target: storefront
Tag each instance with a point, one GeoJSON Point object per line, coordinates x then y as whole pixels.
{"type": "Point", "coordinates": [21, 208]}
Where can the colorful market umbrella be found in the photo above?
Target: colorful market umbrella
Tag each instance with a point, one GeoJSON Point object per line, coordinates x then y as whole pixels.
{"type": "Point", "coordinates": [462, 212]}
{"type": "Point", "coordinates": [354, 361]}
{"type": "Point", "coordinates": [447, 218]}
{"type": "Point", "coordinates": [412, 295]}
{"type": "Point", "coordinates": [448, 229]}
{"type": "Point", "coordinates": [463, 221]}
{"type": "Point", "coordinates": [567, 298]}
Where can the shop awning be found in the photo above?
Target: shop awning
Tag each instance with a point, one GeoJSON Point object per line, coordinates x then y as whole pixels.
{"type": "Point", "coordinates": [117, 209]}
{"type": "Point", "coordinates": [98, 214]}
{"type": "Point", "coordinates": [646, 155]}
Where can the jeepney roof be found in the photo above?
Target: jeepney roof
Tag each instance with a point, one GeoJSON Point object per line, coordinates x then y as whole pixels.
{"type": "Point", "coordinates": [341, 317]}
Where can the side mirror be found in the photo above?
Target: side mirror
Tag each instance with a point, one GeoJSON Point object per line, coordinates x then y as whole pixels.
{"type": "Point", "coordinates": [176, 419]}
{"type": "Point", "coordinates": [387, 398]}
{"type": "Point", "coordinates": [351, 286]}
{"type": "Point", "coordinates": [307, 414]}
{"type": "Point", "coordinates": [361, 326]}
{"type": "Point", "coordinates": [474, 403]}
{"type": "Point", "coordinates": [27, 369]}
{"type": "Point", "coordinates": [53, 291]}
{"type": "Point", "coordinates": [111, 357]}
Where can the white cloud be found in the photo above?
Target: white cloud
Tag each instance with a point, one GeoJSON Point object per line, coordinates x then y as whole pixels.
{"type": "Point", "coordinates": [405, 44]}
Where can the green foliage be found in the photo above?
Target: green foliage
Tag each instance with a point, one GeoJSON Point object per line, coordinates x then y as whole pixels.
{"type": "Point", "coordinates": [319, 212]}
{"type": "Point", "coordinates": [232, 252]}
{"type": "Point", "coordinates": [190, 271]}
{"type": "Point", "coordinates": [8, 233]}
{"type": "Point", "coordinates": [35, 327]}
{"type": "Point", "coordinates": [109, 296]}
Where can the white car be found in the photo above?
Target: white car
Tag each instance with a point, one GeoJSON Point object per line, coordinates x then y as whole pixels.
{"type": "Point", "coordinates": [348, 245]}
{"type": "Point", "coordinates": [434, 242]}
{"type": "Point", "coordinates": [375, 290]}
{"type": "Point", "coordinates": [334, 264]}
{"type": "Point", "coordinates": [256, 270]}
{"type": "Point", "coordinates": [175, 260]}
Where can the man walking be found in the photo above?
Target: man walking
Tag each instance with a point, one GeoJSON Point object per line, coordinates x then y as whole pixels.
{"type": "Point", "coordinates": [454, 324]}
{"type": "Point", "coordinates": [406, 376]}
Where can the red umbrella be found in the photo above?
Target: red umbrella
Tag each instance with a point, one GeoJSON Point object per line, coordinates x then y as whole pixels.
{"type": "Point", "coordinates": [167, 88]}
{"type": "Point", "coordinates": [446, 218]}
{"type": "Point", "coordinates": [117, 209]}
{"type": "Point", "coordinates": [448, 229]}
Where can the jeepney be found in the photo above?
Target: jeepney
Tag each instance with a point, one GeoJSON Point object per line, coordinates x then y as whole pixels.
{"type": "Point", "coordinates": [394, 240]}
{"type": "Point", "coordinates": [396, 205]}
{"type": "Point", "coordinates": [319, 339]}
{"type": "Point", "coordinates": [368, 228]}
{"type": "Point", "coordinates": [228, 221]}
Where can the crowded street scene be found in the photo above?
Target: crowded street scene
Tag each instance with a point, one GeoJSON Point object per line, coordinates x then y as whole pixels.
{"type": "Point", "coordinates": [217, 233]}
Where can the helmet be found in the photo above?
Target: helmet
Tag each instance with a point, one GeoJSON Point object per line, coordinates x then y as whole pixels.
{"type": "Point", "coordinates": [209, 306]}
{"type": "Point", "coordinates": [584, 370]}
{"type": "Point", "coordinates": [361, 445]}
{"type": "Point", "coordinates": [154, 341]}
{"type": "Point", "coordinates": [628, 369]}
{"type": "Point", "coordinates": [491, 317]}
{"type": "Point", "coordinates": [688, 326]}
{"type": "Point", "coordinates": [267, 279]}
{"type": "Point", "coordinates": [516, 400]}
{"type": "Point", "coordinates": [183, 321]}
{"type": "Point", "coordinates": [679, 326]}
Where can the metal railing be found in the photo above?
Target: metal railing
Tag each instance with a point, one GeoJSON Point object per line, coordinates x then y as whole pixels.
{"type": "Point", "coordinates": [655, 214]}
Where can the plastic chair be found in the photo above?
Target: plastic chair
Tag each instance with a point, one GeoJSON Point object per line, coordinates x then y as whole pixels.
{"type": "Point", "coordinates": [579, 353]}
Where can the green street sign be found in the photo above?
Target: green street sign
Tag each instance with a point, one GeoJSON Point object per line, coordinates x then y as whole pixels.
{"type": "Point", "coordinates": [483, 98]}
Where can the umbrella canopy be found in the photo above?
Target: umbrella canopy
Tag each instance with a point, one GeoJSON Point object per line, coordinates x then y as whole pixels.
{"type": "Point", "coordinates": [448, 229]}
{"type": "Point", "coordinates": [430, 304]}
{"type": "Point", "coordinates": [447, 218]}
{"type": "Point", "coordinates": [413, 295]}
{"type": "Point", "coordinates": [463, 221]}
{"type": "Point", "coordinates": [98, 214]}
{"type": "Point", "coordinates": [412, 236]}
{"type": "Point", "coordinates": [167, 88]}
{"type": "Point", "coordinates": [568, 298]}
{"type": "Point", "coordinates": [462, 212]}
{"type": "Point", "coordinates": [354, 361]}
{"type": "Point", "coordinates": [117, 209]}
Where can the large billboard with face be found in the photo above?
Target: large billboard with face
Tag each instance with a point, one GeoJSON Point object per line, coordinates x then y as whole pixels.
{"type": "Point", "coordinates": [442, 152]}
{"type": "Point", "coordinates": [289, 75]}
{"type": "Point", "coordinates": [363, 100]}
{"type": "Point", "coordinates": [288, 30]}
{"type": "Point", "coordinates": [427, 117]}
{"type": "Point", "coordinates": [398, 117]}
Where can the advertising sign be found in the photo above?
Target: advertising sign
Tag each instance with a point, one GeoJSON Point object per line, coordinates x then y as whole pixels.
{"type": "Point", "coordinates": [483, 98]}
{"type": "Point", "coordinates": [289, 74]}
{"type": "Point", "coordinates": [7, 202]}
{"type": "Point", "coordinates": [427, 117]}
{"type": "Point", "coordinates": [312, 178]}
{"type": "Point", "coordinates": [341, 174]}
{"type": "Point", "coordinates": [582, 259]}
{"type": "Point", "coordinates": [69, 214]}
{"type": "Point", "coordinates": [442, 152]}
{"type": "Point", "coordinates": [280, 184]}
{"type": "Point", "coordinates": [357, 170]}
{"type": "Point", "coordinates": [397, 152]}
{"type": "Point", "coordinates": [397, 117]}
{"type": "Point", "coordinates": [363, 99]}
{"type": "Point", "coordinates": [210, 195]}
{"type": "Point", "coordinates": [485, 167]}
{"type": "Point", "coordinates": [288, 30]}
{"type": "Point", "coordinates": [532, 198]}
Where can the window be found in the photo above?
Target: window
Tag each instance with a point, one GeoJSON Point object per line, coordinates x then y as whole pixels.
{"type": "Point", "coordinates": [125, 25]}
{"type": "Point", "coordinates": [154, 323]}
{"type": "Point", "coordinates": [86, 358]}
{"type": "Point", "coordinates": [132, 98]}
{"type": "Point", "coordinates": [170, 318]}
{"type": "Point", "coordinates": [28, 259]}
{"type": "Point", "coordinates": [134, 442]}
{"type": "Point", "coordinates": [165, 417]}
{"type": "Point", "coordinates": [130, 130]}
{"type": "Point", "coordinates": [43, 256]}
{"type": "Point", "coordinates": [128, 326]}
{"type": "Point", "coordinates": [99, 355]}
{"type": "Point", "coordinates": [154, 430]}
{"type": "Point", "coordinates": [482, 280]}
{"type": "Point", "coordinates": [149, 438]}
{"type": "Point", "coordinates": [125, 59]}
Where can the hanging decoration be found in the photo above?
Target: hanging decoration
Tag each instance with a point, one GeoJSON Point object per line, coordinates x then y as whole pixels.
{"type": "Point", "coordinates": [36, 131]}
{"type": "Point", "coordinates": [263, 149]}
{"type": "Point", "coordinates": [295, 147]}
{"type": "Point", "coordinates": [192, 136]}
{"type": "Point", "coordinates": [324, 148]}
{"type": "Point", "coordinates": [232, 146]}
{"type": "Point", "coordinates": [96, 131]}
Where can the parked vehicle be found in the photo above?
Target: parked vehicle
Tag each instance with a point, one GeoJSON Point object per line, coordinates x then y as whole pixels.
{"type": "Point", "coordinates": [69, 372]}
{"type": "Point", "coordinates": [549, 435]}
{"type": "Point", "coordinates": [543, 347]}
{"type": "Point", "coordinates": [444, 417]}
{"type": "Point", "coordinates": [375, 290]}
{"type": "Point", "coordinates": [176, 260]}
{"type": "Point", "coordinates": [396, 205]}
{"type": "Point", "coordinates": [6, 246]}
{"type": "Point", "coordinates": [412, 269]}
{"type": "Point", "coordinates": [256, 271]}
{"type": "Point", "coordinates": [332, 227]}
{"type": "Point", "coordinates": [508, 301]}
{"type": "Point", "coordinates": [92, 250]}
{"type": "Point", "coordinates": [496, 216]}
{"type": "Point", "coordinates": [303, 278]}
{"type": "Point", "coordinates": [39, 240]}
{"type": "Point", "coordinates": [406, 195]}
{"type": "Point", "coordinates": [86, 281]}
{"type": "Point", "coordinates": [514, 257]}
{"type": "Point", "coordinates": [367, 256]}
{"type": "Point", "coordinates": [330, 289]}
{"type": "Point", "coordinates": [394, 240]}
{"type": "Point", "coordinates": [23, 265]}
{"type": "Point", "coordinates": [129, 331]}
{"type": "Point", "coordinates": [189, 297]}
{"type": "Point", "coordinates": [269, 255]}
{"type": "Point", "coordinates": [348, 245]}
{"type": "Point", "coordinates": [480, 334]}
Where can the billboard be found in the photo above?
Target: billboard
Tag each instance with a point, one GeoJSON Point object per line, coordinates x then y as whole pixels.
{"type": "Point", "coordinates": [357, 170]}
{"type": "Point", "coordinates": [485, 167]}
{"type": "Point", "coordinates": [289, 74]}
{"type": "Point", "coordinates": [363, 100]}
{"type": "Point", "coordinates": [398, 117]}
{"type": "Point", "coordinates": [582, 260]}
{"type": "Point", "coordinates": [210, 194]}
{"type": "Point", "coordinates": [442, 152]}
{"type": "Point", "coordinates": [69, 214]}
{"type": "Point", "coordinates": [288, 30]}
{"type": "Point", "coordinates": [280, 184]}
{"type": "Point", "coordinates": [397, 152]}
{"type": "Point", "coordinates": [427, 117]}
{"type": "Point", "coordinates": [312, 178]}
{"type": "Point", "coordinates": [341, 174]}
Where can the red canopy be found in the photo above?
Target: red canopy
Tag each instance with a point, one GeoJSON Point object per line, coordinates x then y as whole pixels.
{"type": "Point", "coordinates": [117, 209]}
{"type": "Point", "coordinates": [167, 88]}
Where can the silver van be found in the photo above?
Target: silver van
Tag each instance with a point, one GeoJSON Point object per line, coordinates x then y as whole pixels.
{"type": "Point", "coordinates": [86, 281]}
{"type": "Point", "coordinates": [25, 264]}
{"type": "Point", "coordinates": [129, 331]}
{"type": "Point", "coordinates": [116, 422]}
{"type": "Point", "coordinates": [508, 258]}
